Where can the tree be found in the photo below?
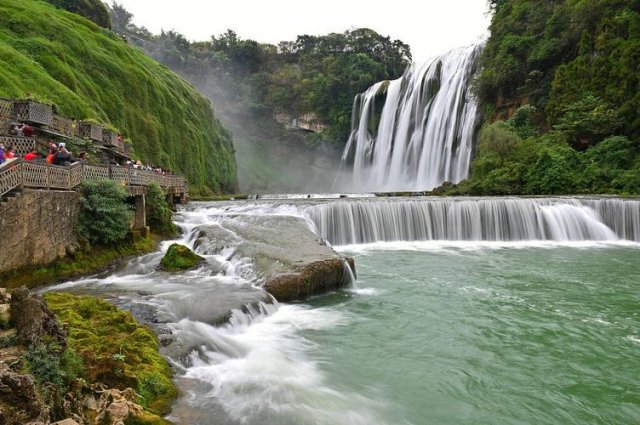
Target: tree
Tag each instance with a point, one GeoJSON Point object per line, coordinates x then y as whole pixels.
{"type": "Point", "coordinates": [105, 216]}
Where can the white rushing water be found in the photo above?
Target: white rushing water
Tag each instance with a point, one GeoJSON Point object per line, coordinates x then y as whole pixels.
{"type": "Point", "coordinates": [423, 135]}
{"type": "Point", "coordinates": [480, 219]}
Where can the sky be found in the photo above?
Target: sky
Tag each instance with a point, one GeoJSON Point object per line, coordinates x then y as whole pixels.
{"type": "Point", "coordinates": [432, 28]}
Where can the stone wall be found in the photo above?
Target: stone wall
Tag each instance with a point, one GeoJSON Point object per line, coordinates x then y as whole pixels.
{"type": "Point", "coordinates": [37, 227]}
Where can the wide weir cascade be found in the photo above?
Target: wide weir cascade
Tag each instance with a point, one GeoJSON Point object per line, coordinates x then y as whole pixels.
{"type": "Point", "coordinates": [416, 132]}
{"type": "Point", "coordinates": [477, 219]}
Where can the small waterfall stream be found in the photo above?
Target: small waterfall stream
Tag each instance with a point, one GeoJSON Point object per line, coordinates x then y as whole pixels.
{"type": "Point", "coordinates": [423, 136]}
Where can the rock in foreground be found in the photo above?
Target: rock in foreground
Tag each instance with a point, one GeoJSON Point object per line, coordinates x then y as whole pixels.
{"type": "Point", "coordinates": [178, 258]}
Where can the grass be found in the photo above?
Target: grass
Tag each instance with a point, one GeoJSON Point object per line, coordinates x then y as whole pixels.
{"type": "Point", "coordinates": [89, 72]}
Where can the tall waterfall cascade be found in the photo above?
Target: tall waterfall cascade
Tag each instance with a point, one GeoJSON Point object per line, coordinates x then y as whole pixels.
{"type": "Point", "coordinates": [477, 219]}
{"type": "Point", "coordinates": [423, 136]}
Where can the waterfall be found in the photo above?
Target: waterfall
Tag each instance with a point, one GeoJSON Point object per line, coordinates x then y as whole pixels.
{"type": "Point", "coordinates": [477, 219]}
{"type": "Point", "coordinates": [424, 134]}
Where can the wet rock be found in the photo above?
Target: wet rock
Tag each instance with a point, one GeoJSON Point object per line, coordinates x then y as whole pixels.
{"type": "Point", "coordinates": [307, 280]}
{"type": "Point", "coordinates": [33, 320]}
{"type": "Point", "coordinates": [213, 239]}
{"type": "Point", "coordinates": [178, 258]}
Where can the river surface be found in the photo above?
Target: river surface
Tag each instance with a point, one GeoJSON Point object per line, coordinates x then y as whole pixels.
{"type": "Point", "coordinates": [542, 327]}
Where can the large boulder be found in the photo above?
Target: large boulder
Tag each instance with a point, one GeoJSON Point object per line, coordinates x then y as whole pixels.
{"type": "Point", "coordinates": [34, 322]}
{"type": "Point", "coordinates": [290, 261]}
{"type": "Point", "coordinates": [310, 279]}
{"type": "Point", "coordinates": [178, 258]}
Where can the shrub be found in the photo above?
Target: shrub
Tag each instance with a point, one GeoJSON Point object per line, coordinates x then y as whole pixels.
{"type": "Point", "coordinates": [43, 362]}
{"type": "Point", "coordinates": [105, 216]}
{"type": "Point", "coordinates": [158, 212]}
{"type": "Point", "coordinates": [588, 121]}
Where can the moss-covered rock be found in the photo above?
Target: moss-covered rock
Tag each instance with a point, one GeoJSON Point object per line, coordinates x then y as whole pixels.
{"type": "Point", "coordinates": [179, 257]}
{"type": "Point", "coordinates": [115, 349]}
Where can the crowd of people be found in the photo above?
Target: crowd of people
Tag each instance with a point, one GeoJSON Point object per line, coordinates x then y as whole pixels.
{"type": "Point", "coordinates": [144, 167]}
{"type": "Point", "coordinates": [59, 154]}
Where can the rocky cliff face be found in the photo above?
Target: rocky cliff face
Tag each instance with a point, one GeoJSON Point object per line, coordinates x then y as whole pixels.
{"type": "Point", "coordinates": [307, 122]}
{"type": "Point", "coordinates": [37, 227]}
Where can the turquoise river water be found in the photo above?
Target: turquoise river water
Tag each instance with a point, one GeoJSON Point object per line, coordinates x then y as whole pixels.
{"type": "Point", "coordinates": [469, 335]}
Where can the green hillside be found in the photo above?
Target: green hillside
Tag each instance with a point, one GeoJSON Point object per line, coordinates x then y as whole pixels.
{"type": "Point", "coordinates": [88, 72]}
{"type": "Point", "coordinates": [560, 88]}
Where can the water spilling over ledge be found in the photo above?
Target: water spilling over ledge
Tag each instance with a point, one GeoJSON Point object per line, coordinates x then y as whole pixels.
{"type": "Point", "coordinates": [479, 219]}
{"type": "Point", "coordinates": [423, 134]}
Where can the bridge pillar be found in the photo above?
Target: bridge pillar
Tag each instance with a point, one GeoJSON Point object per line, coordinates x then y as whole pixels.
{"type": "Point", "coordinates": [140, 218]}
{"type": "Point", "coordinates": [170, 202]}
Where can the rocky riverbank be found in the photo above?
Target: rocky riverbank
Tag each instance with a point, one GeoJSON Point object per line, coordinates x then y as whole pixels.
{"type": "Point", "coordinates": [78, 360]}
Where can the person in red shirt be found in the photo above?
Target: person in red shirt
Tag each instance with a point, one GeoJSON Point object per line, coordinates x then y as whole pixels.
{"type": "Point", "coordinates": [10, 153]}
{"type": "Point", "coordinates": [31, 156]}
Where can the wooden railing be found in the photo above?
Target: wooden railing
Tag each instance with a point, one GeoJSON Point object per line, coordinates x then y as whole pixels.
{"type": "Point", "coordinates": [22, 145]}
{"type": "Point", "coordinates": [6, 108]}
{"type": "Point", "coordinates": [21, 173]}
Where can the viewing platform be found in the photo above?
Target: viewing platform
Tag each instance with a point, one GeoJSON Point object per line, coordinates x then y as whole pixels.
{"type": "Point", "coordinates": [20, 173]}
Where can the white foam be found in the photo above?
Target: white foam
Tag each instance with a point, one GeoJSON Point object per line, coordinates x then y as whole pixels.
{"type": "Point", "coordinates": [261, 371]}
{"type": "Point", "coordinates": [452, 246]}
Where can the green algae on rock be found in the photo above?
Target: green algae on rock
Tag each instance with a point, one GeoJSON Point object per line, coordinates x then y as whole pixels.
{"type": "Point", "coordinates": [115, 349]}
{"type": "Point", "coordinates": [179, 257]}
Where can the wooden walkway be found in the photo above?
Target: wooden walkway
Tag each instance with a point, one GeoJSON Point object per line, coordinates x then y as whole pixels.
{"type": "Point", "coordinates": [20, 173]}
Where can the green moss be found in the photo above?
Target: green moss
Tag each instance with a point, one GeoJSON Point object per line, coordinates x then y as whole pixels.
{"type": "Point", "coordinates": [179, 257]}
{"type": "Point", "coordinates": [83, 263]}
{"type": "Point", "coordinates": [89, 72]}
{"type": "Point", "coordinates": [116, 350]}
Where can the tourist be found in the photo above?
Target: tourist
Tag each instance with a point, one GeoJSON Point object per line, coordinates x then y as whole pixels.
{"type": "Point", "coordinates": [1, 154]}
{"type": "Point", "coordinates": [27, 131]}
{"type": "Point", "coordinates": [32, 155]}
{"type": "Point", "coordinates": [9, 153]}
{"type": "Point", "coordinates": [63, 156]}
{"type": "Point", "coordinates": [82, 157]}
{"type": "Point", "coordinates": [53, 149]}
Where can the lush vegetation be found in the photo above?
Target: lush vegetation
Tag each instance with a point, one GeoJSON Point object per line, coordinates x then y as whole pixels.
{"type": "Point", "coordinates": [88, 72]}
{"type": "Point", "coordinates": [104, 214]}
{"type": "Point", "coordinates": [560, 86]}
{"type": "Point", "coordinates": [313, 74]}
{"type": "Point", "coordinates": [112, 348]}
{"type": "Point", "coordinates": [159, 215]}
